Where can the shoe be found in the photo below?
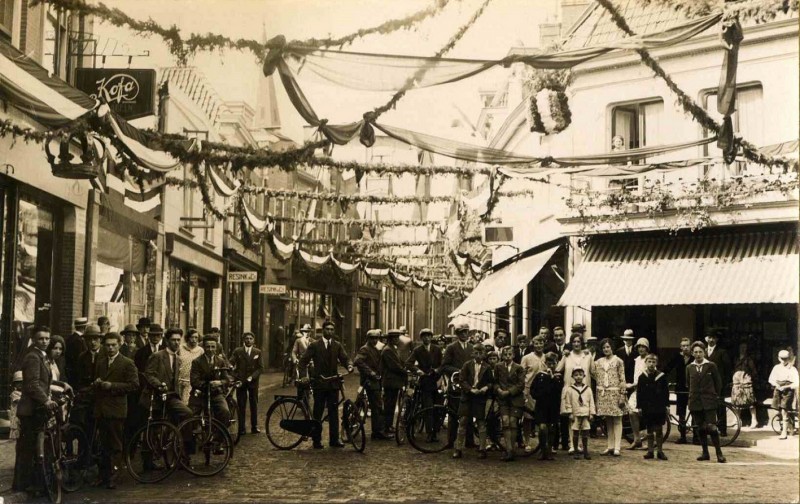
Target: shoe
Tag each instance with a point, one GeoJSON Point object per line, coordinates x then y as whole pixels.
{"type": "Point", "coordinates": [607, 451]}
{"type": "Point", "coordinates": [661, 456]}
{"type": "Point", "coordinates": [390, 430]}
{"type": "Point", "coordinates": [586, 455]}
{"type": "Point", "coordinates": [481, 454]}
{"type": "Point", "coordinates": [110, 485]}
{"type": "Point", "coordinates": [318, 446]}
{"type": "Point", "coordinates": [682, 441]}
{"type": "Point", "coordinates": [577, 456]}
{"type": "Point", "coordinates": [704, 456]}
{"type": "Point", "coordinates": [457, 454]}
{"type": "Point", "coordinates": [255, 430]}
{"type": "Point", "coordinates": [783, 437]}
{"type": "Point", "coordinates": [241, 433]}
{"type": "Point", "coordinates": [649, 455]}
{"type": "Point", "coordinates": [336, 444]}
{"type": "Point", "coordinates": [616, 453]}
{"type": "Point", "coordinates": [507, 457]}
{"type": "Point", "coordinates": [528, 449]}
{"type": "Point", "coordinates": [635, 446]}
{"type": "Point", "coordinates": [379, 437]}
{"type": "Point", "coordinates": [721, 459]}
{"type": "Point", "coordinates": [571, 451]}
{"type": "Point", "coordinates": [723, 433]}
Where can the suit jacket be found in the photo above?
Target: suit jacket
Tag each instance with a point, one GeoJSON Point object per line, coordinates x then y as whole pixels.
{"type": "Point", "coordinates": [113, 403]}
{"type": "Point", "coordinates": [36, 380]}
{"type": "Point", "coordinates": [724, 364]}
{"type": "Point", "coordinates": [678, 363]}
{"type": "Point", "coordinates": [368, 361]}
{"type": "Point", "coordinates": [143, 356]}
{"type": "Point", "coordinates": [520, 352]}
{"type": "Point", "coordinates": [629, 361]}
{"type": "Point", "coordinates": [552, 347]}
{"type": "Point", "coordinates": [204, 371]}
{"type": "Point", "coordinates": [454, 358]}
{"type": "Point", "coordinates": [245, 367]}
{"type": "Point", "coordinates": [86, 369]}
{"type": "Point", "coordinates": [705, 386]}
{"type": "Point", "coordinates": [300, 346]}
{"type": "Point", "coordinates": [427, 361]}
{"type": "Point", "coordinates": [513, 382]}
{"type": "Point", "coordinates": [393, 372]}
{"type": "Point", "coordinates": [466, 380]}
{"type": "Point", "coordinates": [128, 351]}
{"type": "Point", "coordinates": [74, 347]}
{"type": "Point", "coordinates": [326, 362]}
{"type": "Point", "coordinates": [652, 393]}
{"type": "Point", "coordinates": [158, 371]}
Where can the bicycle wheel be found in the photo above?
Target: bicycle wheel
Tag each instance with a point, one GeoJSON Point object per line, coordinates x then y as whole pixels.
{"type": "Point", "coordinates": [234, 429]}
{"type": "Point", "coordinates": [285, 408]}
{"type": "Point", "coordinates": [733, 426]}
{"type": "Point", "coordinates": [153, 451]}
{"type": "Point", "coordinates": [73, 451]}
{"type": "Point", "coordinates": [353, 425]}
{"type": "Point", "coordinates": [401, 420]}
{"type": "Point", "coordinates": [208, 448]}
{"type": "Point", "coordinates": [777, 423]}
{"type": "Point", "coordinates": [51, 469]}
{"type": "Point", "coordinates": [429, 429]}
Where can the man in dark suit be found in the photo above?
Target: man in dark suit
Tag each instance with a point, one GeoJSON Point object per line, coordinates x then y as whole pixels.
{"type": "Point", "coordinates": [130, 345]}
{"type": "Point", "coordinates": [628, 355]}
{"type": "Point", "coordinates": [209, 373]}
{"type": "Point", "coordinates": [82, 411]}
{"type": "Point", "coordinates": [326, 353]}
{"type": "Point", "coordinates": [368, 362]}
{"type": "Point", "coordinates": [75, 346]}
{"type": "Point", "coordinates": [559, 345]}
{"type": "Point", "coordinates": [455, 356]}
{"type": "Point", "coordinates": [679, 363]}
{"type": "Point", "coordinates": [521, 349]}
{"type": "Point", "coordinates": [476, 380]}
{"type": "Point", "coordinates": [719, 356]}
{"type": "Point", "coordinates": [161, 375]}
{"type": "Point", "coordinates": [143, 326]}
{"type": "Point", "coordinates": [115, 378]}
{"type": "Point", "coordinates": [153, 345]}
{"type": "Point", "coordinates": [705, 387]}
{"type": "Point", "coordinates": [393, 377]}
{"type": "Point", "coordinates": [424, 361]}
{"type": "Point", "coordinates": [509, 386]}
{"type": "Point", "coordinates": [246, 362]}
{"type": "Point", "coordinates": [32, 411]}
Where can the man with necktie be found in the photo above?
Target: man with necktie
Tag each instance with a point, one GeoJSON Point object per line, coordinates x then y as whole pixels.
{"type": "Point", "coordinates": [74, 347]}
{"type": "Point", "coordinates": [393, 377]}
{"type": "Point", "coordinates": [209, 373]}
{"type": "Point", "coordinates": [425, 360]}
{"type": "Point", "coordinates": [455, 356]}
{"type": "Point", "coordinates": [161, 376]}
{"type": "Point", "coordinates": [628, 354]}
{"type": "Point", "coordinates": [82, 413]}
{"type": "Point", "coordinates": [368, 362]}
{"type": "Point", "coordinates": [246, 361]}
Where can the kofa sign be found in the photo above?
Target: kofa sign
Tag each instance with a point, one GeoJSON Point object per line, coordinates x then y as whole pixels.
{"type": "Point", "coordinates": [129, 92]}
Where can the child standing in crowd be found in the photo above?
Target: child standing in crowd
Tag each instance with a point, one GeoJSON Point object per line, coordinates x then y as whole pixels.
{"type": "Point", "coordinates": [546, 393]}
{"type": "Point", "coordinates": [578, 401]}
{"type": "Point", "coordinates": [510, 380]}
{"type": "Point", "coordinates": [784, 378]}
{"type": "Point", "coordinates": [652, 397]}
{"type": "Point", "coordinates": [475, 380]}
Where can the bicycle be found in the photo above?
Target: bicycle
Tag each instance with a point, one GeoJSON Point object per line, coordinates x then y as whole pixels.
{"type": "Point", "coordinates": [156, 441]}
{"type": "Point", "coordinates": [234, 429]}
{"type": "Point", "coordinates": [210, 446]}
{"type": "Point", "coordinates": [777, 421]}
{"type": "Point", "coordinates": [288, 370]}
{"type": "Point", "coordinates": [49, 451]}
{"type": "Point", "coordinates": [80, 454]}
{"type": "Point", "coordinates": [288, 422]}
{"type": "Point", "coordinates": [410, 403]}
{"type": "Point", "coordinates": [733, 422]}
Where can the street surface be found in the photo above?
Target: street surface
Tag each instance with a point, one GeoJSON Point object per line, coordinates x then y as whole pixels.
{"type": "Point", "coordinates": [386, 472]}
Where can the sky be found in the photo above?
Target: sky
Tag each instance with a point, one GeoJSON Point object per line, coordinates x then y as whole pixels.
{"type": "Point", "coordinates": [235, 76]}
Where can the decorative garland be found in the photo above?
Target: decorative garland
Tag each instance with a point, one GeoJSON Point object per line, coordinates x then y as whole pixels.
{"type": "Point", "coordinates": [691, 205]}
{"type": "Point", "coordinates": [366, 243]}
{"type": "Point", "coordinates": [548, 105]}
{"type": "Point", "coordinates": [749, 151]}
{"type": "Point", "coordinates": [351, 222]}
{"type": "Point", "coordinates": [183, 50]}
{"type": "Point", "coordinates": [758, 11]}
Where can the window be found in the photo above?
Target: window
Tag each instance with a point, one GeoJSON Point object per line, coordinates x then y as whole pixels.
{"type": "Point", "coordinates": [6, 16]}
{"type": "Point", "coordinates": [748, 119]}
{"type": "Point", "coordinates": [188, 194]}
{"type": "Point", "coordinates": [637, 123]}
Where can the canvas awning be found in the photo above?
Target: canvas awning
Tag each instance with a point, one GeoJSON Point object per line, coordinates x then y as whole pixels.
{"type": "Point", "coordinates": [747, 267]}
{"type": "Point", "coordinates": [498, 288]}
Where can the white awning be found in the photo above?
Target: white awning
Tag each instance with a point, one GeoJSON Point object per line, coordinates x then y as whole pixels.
{"type": "Point", "coordinates": [498, 288]}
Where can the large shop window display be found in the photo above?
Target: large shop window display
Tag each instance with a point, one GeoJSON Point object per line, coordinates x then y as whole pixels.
{"type": "Point", "coordinates": [120, 287]}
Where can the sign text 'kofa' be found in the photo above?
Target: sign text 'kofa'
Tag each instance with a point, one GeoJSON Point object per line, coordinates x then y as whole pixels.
{"type": "Point", "coordinates": [129, 92]}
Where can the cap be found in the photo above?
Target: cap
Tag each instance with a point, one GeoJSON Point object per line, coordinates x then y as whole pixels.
{"type": "Point", "coordinates": [81, 321]}
{"type": "Point", "coordinates": [394, 332]}
{"type": "Point", "coordinates": [374, 333]}
{"type": "Point", "coordinates": [628, 334]}
{"type": "Point", "coordinates": [306, 328]}
{"type": "Point", "coordinates": [92, 331]}
{"type": "Point", "coordinates": [130, 328]}
{"type": "Point", "coordinates": [590, 338]}
{"type": "Point", "coordinates": [403, 329]}
{"type": "Point", "coordinates": [426, 331]}
{"type": "Point", "coordinates": [644, 342]}
{"type": "Point", "coordinates": [498, 331]}
{"type": "Point", "coordinates": [144, 321]}
{"type": "Point", "coordinates": [783, 354]}
{"type": "Point", "coordinates": [578, 328]}
{"type": "Point", "coordinates": [156, 329]}
{"type": "Point", "coordinates": [462, 327]}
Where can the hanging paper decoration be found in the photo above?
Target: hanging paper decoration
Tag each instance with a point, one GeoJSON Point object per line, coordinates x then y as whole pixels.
{"type": "Point", "coordinates": [548, 105]}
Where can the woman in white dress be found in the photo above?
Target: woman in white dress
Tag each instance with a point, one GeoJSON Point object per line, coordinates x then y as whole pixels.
{"type": "Point", "coordinates": [188, 352]}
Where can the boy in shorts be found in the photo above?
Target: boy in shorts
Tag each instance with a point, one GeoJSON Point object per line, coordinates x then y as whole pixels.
{"type": "Point", "coordinates": [475, 379]}
{"type": "Point", "coordinates": [652, 398]}
{"type": "Point", "coordinates": [510, 381]}
{"type": "Point", "coordinates": [579, 403]}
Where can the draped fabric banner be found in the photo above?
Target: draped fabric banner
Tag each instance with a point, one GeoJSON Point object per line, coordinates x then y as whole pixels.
{"type": "Point", "coordinates": [135, 146]}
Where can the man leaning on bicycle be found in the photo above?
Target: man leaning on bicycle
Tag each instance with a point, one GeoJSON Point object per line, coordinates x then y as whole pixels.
{"type": "Point", "coordinates": [210, 374]}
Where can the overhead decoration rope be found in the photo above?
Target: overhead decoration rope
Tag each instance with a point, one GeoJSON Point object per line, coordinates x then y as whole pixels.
{"type": "Point", "coordinates": [184, 49]}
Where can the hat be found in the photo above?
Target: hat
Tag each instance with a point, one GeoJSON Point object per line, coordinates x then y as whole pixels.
{"type": "Point", "coordinates": [462, 327]}
{"type": "Point", "coordinates": [144, 321]}
{"type": "Point", "coordinates": [156, 329]}
{"type": "Point", "coordinates": [403, 329]}
{"type": "Point", "coordinates": [374, 333]}
{"type": "Point", "coordinates": [628, 334]}
{"type": "Point", "coordinates": [81, 321]}
{"type": "Point", "coordinates": [130, 328]}
{"type": "Point", "coordinates": [783, 354]}
{"type": "Point", "coordinates": [644, 342]}
{"type": "Point", "coordinates": [394, 332]}
{"type": "Point", "coordinates": [501, 330]}
{"type": "Point", "coordinates": [590, 338]}
{"type": "Point", "coordinates": [578, 328]}
{"type": "Point", "coordinates": [426, 331]}
{"type": "Point", "coordinates": [92, 331]}
{"type": "Point", "coordinates": [306, 328]}
{"type": "Point", "coordinates": [18, 375]}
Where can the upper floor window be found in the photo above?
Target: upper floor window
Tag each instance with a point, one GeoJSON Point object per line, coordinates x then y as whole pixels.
{"type": "Point", "coordinates": [6, 17]}
{"type": "Point", "coordinates": [748, 119]}
{"type": "Point", "coordinates": [638, 123]}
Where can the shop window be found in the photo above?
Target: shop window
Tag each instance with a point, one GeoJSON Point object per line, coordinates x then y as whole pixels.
{"type": "Point", "coordinates": [32, 294]}
{"type": "Point", "coordinates": [120, 278]}
{"type": "Point", "coordinates": [6, 17]}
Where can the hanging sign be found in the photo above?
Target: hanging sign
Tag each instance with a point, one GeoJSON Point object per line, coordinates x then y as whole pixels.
{"type": "Point", "coordinates": [272, 289]}
{"type": "Point", "coordinates": [129, 92]}
{"type": "Point", "coordinates": [242, 276]}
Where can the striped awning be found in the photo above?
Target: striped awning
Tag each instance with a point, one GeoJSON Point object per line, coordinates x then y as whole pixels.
{"type": "Point", "coordinates": [748, 267]}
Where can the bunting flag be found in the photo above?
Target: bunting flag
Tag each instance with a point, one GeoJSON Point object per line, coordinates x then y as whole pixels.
{"type": "Point", "coordinates": [222, 185]}
{"type": "Point", "coordinates": [257, 222]}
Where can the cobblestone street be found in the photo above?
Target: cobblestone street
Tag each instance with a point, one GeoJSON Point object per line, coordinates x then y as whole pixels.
{"type": "Point", "coordinates": [385, 472]}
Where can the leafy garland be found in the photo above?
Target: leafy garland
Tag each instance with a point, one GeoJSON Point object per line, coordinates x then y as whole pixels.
{"type": "Point", "coordinates": [691, 204]}
{"type": "Point", "coordinates": [350, 222]}
{"type": "Point", "coordinates": [536, 82]}
{"type": "Point", "coordinates": [698, 113]}
{"type": "Point", "coordinates": [366, 243]}
{"type": "Point", "coordinates": [184, 49]}
{"type": "Point", "coordinates": [758, 11]}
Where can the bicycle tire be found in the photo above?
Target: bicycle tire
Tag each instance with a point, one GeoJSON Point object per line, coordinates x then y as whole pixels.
{"type": "Point", "coordinates": [353, 425]}
{"type": "Point", "coordinates": [400, 421]}
{"type": "Point", "coordinates": [433, 438]}
{"type": "Point", "coordinates": [777, 423]}
{"type": "Point", "coordinates": [286, 408]}
{"type": "Point", "coordinates": [627, 431]}
{"type": "Point", "coordinates": [73, 450]}
{"type": "Point", "coordinates": [156, 442]}
{"type": "Point", "coordinates": [234, 429]}
{"type": "Point", "coordinates": [51, 469]}
{"type": "Point", "coordinates": [733, 424]}
{"type": "Point", "coordinates": [209, 437]}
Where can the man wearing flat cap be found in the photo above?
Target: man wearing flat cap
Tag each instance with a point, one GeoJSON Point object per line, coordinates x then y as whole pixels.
{"type": "Point", "coordinates": [75, 346]}
{"type": "Point", "coordinates": [455, 356]}
{"type": "Point", "coordinates": [368, 362]}
{"type": "Point", "coordinates": [424, 361]}
{"type": "Point", "coordinates": [393, 377]}
{"type": "Point", "coordinates": [208, 375]}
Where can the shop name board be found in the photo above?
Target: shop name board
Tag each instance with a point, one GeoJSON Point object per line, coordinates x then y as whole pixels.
{"type": "Point", "coordinates": [129, 92]}
{"type": "Point", "coordinates": [272, 289]}
{"type": "Point", "coordinates": [242, 276]}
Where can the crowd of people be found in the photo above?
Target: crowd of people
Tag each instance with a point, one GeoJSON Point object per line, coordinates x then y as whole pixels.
{"type": "Point", "coordinates": [114, 376]}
